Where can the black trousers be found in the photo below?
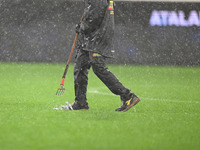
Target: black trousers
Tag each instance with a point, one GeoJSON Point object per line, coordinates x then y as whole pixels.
{"type": "Point", "coordinates": [84, 61]}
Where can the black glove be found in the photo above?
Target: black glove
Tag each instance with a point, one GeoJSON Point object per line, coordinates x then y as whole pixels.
{"type": "Point", "coordinates": [78, 28]}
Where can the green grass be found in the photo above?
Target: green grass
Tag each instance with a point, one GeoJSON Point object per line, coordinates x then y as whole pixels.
{"type": "Point", "coordinates": [167, 118]}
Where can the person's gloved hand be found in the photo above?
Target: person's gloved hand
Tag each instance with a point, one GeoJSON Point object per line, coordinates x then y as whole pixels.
{"type": "Point", "coordinates": [78, 28]}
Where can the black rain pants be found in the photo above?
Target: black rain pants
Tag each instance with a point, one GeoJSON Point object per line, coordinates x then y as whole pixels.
{"type": "Point", "coordinates": [85, 60]}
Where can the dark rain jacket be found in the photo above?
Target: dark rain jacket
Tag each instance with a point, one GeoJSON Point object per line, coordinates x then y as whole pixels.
{"type": "Point", "coordinates": [97, 27]}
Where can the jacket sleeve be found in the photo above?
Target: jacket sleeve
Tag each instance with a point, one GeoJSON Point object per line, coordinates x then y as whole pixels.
{"type": "Point", "coordinates": [93, 16]}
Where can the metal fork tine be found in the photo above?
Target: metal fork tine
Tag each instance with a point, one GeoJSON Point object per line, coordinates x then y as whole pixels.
{"type": "Point", "coordinates": [63, 92]}
{"type": "Point", "coordinates": [59, 92]}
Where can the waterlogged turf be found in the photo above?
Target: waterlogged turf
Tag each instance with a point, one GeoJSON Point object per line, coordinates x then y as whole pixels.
{"type": "Point", "coordinates": [167, 118]}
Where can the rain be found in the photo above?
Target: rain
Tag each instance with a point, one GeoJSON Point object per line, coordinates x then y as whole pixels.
{"type": "Point", "coordinates": [43, 31]}
{"type": "Point", "coordinates": [156, 54]}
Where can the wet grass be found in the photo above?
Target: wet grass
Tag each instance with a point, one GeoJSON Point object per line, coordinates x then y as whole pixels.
{"type": "Point", "coordinates": [167, 117]}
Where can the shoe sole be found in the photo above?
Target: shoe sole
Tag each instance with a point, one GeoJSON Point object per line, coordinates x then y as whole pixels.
{"type": "Point", "coordinates": [79, 109]}
{"type": "Point", "coordinates": [83, 109]}
{"type": "Point", "coordinates": [133, 104]}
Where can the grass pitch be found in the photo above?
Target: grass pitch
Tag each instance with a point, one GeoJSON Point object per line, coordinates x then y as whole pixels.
{"type": "Point", "coordinates": [167, 117]}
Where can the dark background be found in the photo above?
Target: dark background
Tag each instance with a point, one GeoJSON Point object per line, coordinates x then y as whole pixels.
{"type": "Point", "coordinates": [43, 31]}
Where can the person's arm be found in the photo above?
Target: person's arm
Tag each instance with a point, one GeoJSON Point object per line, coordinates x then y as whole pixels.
{"type": "Point", "coordinates": [93, 16]}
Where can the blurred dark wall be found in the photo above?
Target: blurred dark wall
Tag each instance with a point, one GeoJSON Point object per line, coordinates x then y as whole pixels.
{"type": "Point", "coordinates": [43, 31]}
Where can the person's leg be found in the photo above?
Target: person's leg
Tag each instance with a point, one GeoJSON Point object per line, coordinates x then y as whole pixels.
{"type": "Point", "coordinates": [108, 78]}
{"type": "Point", "coordinates": [81, 69]}
{"type": "Point", "coordinates": [111, 81]}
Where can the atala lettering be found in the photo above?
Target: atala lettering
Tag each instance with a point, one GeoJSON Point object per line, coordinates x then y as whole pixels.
{"type": "Point", "coordinates": [174, 18]}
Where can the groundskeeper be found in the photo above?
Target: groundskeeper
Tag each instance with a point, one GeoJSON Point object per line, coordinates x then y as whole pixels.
{"type": "Point", "coordinates": [94, 45]}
